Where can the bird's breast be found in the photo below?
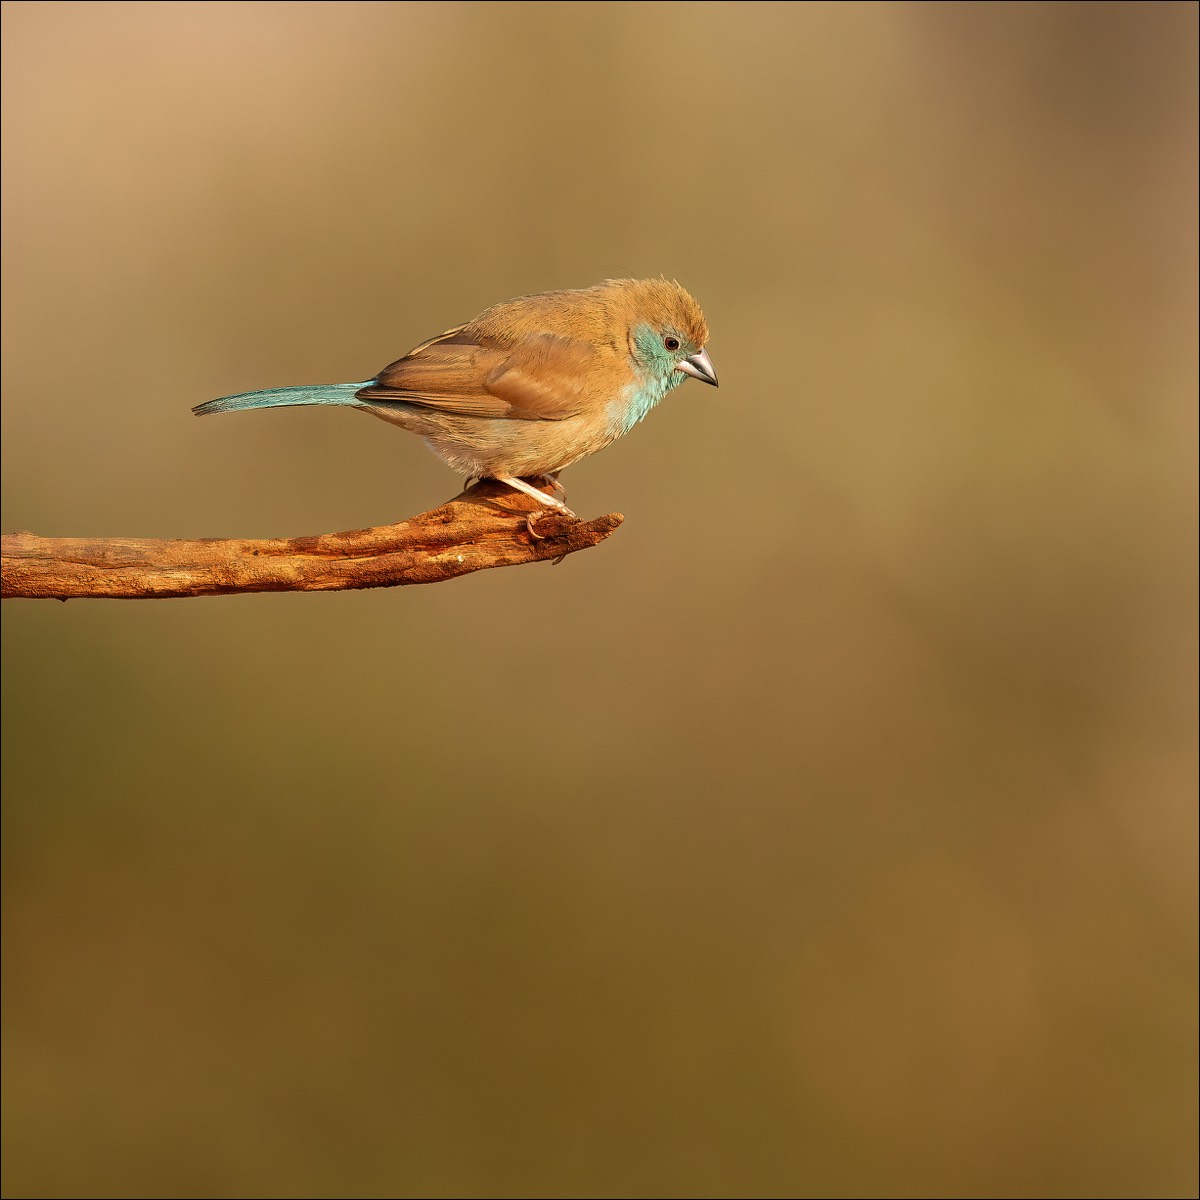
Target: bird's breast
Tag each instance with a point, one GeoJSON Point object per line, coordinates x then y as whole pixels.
{"type": "Point", "coordinates": [636, 400]}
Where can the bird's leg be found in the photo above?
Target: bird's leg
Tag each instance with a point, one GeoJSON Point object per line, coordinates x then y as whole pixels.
{"type": "Point", "coordinates": [471, 481]}
{"type": "Point", "coordinates": [530, 490]}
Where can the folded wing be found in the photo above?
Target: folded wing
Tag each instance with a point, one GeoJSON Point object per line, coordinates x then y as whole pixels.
{"type": "Point", "coordinates": [540, 378]}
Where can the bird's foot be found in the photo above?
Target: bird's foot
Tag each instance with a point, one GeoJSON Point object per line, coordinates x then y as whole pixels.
{"type": "Point", "coordinates": [540, 537]}
{"type": "Point", "coordinates": [521, 486]}
{"type": "Point", "coordinates": [551, 479]}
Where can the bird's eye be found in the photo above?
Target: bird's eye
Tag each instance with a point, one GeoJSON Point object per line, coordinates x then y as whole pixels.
{"type": "Point", "coordinates": [671, 343]}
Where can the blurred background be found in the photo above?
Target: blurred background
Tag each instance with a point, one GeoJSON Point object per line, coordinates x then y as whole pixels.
{"type": "Point", "coordinates": [830, 830]}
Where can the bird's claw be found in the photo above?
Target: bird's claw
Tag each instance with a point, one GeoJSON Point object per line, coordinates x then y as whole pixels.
{"type": "Point", "coordinates": [554, 483]}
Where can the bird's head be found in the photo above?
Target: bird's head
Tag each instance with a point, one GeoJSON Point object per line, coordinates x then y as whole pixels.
{"type": "Point", "coordinates": [667, 332]}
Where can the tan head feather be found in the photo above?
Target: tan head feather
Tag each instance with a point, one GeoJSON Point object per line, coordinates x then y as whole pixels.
{"type": "Point", "coordinates": [662, 303]}
{"type": "Point", "coordinates": [599, 314]}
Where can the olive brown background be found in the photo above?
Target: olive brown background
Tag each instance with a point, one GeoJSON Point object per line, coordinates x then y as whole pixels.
{"type": "Point", "coordinates": [830, 829]}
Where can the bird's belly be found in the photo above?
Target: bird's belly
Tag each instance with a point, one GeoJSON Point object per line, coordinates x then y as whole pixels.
{"type": "Point", "coordinates": [484, 446]}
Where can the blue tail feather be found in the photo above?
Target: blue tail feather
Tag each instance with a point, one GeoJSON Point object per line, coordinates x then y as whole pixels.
{"type": "Point", "coordinates": [329, 393]}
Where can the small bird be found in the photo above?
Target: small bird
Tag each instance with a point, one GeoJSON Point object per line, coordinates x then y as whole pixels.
{"type": "Point", "coordinates": [530, 385]}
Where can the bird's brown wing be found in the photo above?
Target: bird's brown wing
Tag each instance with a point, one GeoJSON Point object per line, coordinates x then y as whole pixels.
{"type": "Point", "coordinates": [541, 378]}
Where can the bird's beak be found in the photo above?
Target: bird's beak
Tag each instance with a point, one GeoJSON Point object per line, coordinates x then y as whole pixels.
{"type": "Point", "coordinates": [700, 367]}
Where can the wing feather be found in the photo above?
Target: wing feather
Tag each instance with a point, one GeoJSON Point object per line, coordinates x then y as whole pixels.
{"type": "Point", "coordinates": [467, 373]}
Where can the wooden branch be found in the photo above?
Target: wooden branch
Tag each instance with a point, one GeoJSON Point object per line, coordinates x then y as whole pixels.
{"type": "Point", "coordinates": [485, 526]}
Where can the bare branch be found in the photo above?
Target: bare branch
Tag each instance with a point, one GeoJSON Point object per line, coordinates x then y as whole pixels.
{"type": "Point", "coordinates": [488, 525]}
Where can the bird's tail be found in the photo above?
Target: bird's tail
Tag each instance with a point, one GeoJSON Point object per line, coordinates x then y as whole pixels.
{"type": "Point", "coordinates": [329, 393]}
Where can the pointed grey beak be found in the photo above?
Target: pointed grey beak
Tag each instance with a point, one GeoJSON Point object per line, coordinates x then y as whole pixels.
{"type": "Point", "coordinates": [700, 367]}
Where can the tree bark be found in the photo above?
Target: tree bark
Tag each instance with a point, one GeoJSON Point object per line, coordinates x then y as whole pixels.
{"type": "Point", "coordinates": [489, 525]}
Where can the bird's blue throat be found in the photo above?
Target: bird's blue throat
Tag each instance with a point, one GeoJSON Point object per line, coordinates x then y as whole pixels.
{"type": "Point", "coordinates": [656, 378]}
